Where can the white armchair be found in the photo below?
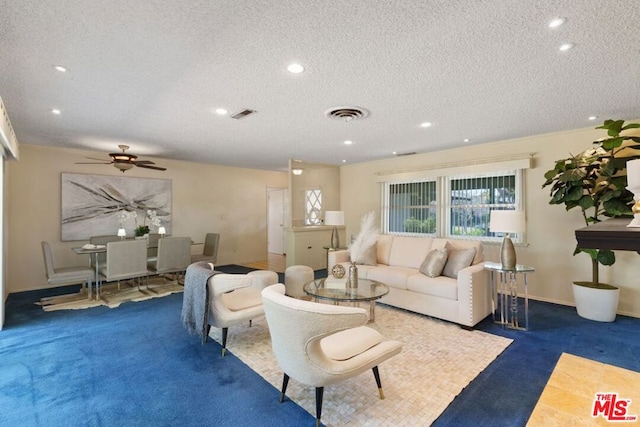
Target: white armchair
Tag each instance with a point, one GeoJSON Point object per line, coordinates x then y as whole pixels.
{"type": "Point", "coordinates": [320, 344]}
{"type": "Point", "coordinates": [232, 300]}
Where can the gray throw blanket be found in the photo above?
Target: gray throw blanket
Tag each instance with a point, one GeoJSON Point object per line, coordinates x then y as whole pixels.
{"type": "Point", "coordinates": [195, 300]}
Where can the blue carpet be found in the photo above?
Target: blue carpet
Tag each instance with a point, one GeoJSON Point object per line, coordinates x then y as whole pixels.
{"type": "Point", "coordinates": [506, 392]}
{"type": "Point", "coordinates": [136, 365]}
{"type": "Point", "coordinates": [131, 366]}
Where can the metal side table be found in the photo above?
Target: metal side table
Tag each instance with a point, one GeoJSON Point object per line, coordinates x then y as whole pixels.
{"type": "Point", "coordinates": [504, 294]}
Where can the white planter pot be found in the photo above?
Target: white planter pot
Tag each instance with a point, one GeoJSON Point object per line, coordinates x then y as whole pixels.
{"type": "Point", "coordinates": [596, 304]}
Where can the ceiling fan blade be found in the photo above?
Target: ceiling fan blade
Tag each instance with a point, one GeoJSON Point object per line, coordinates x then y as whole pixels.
{"type": "Point", "coordinates": [151, 167]}
{"type": "Point", "coordinates": [143, 162]}
{"type": "Point", "coordinates": [93, 163]}
{"type": "Point", "coordinates": [94, 158]}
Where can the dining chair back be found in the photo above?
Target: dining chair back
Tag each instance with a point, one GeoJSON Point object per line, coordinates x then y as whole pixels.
{"type": "Point", "coordinates": [174, 256]}
{"type": "Point", "coordinates": [210, 249]}
{"type": "Point", "coordinates": [66, 275]}
{"type": "Point", "coordinates": [126, 259]}
{"type": "Point", "coordinates": [152, 246]}
{"type": "Point", "coordinates": [102, 240]}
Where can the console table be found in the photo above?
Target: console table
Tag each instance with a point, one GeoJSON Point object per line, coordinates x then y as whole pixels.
{"type": "Point", "coordinates": [610, 234]}
{"type": "Point", "coordinates": [504, 294]}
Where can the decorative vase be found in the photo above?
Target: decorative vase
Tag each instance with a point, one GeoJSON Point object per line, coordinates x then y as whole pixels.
{"type": "Point", "coordinates": [353, 276]}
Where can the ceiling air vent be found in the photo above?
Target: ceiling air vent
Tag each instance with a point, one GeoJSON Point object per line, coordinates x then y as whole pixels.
{"type": "Point", "coordinates": [242, 113]}
{"type": "Point", "coordinates": [346, 113]}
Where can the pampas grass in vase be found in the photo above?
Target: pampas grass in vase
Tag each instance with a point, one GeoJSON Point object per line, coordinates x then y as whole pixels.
{"type": "Point", "coordinates": [366, 238]}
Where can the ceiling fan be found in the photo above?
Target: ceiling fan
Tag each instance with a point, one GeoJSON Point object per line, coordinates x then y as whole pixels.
{"type": "Point", "coordinates": [124, 161]}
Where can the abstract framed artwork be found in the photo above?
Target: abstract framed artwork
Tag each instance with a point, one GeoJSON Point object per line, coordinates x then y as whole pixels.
{"type": "Point", "coordinates": [95, 205]}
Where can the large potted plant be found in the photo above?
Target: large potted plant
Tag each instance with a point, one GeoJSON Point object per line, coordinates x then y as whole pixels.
{"type": "Point", "coordinates": [595, 182]}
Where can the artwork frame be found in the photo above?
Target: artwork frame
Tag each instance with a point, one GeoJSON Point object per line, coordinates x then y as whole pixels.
{"type": "Point", "coordinates": [93, 205]}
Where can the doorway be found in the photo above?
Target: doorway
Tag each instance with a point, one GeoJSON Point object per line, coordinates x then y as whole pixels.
{"type": "Point", "coordinates": [275, 220]}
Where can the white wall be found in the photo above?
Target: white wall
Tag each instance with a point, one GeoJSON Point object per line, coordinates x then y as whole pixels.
{"type": "Point", "coordinates": [206, 198]}
{"type": "Point", "coordinates": [550, 228]}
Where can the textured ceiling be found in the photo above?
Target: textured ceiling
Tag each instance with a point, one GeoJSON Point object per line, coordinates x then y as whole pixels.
{"type": "Point", "coordinates": [149, 73]}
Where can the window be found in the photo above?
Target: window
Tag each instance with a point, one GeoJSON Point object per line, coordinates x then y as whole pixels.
{"type": "Point", "coordinates": [412, 207]}
{"type": "Point", "coordinates": [451, 206]}
{"type": "Point", "coordinates": [312, 207]}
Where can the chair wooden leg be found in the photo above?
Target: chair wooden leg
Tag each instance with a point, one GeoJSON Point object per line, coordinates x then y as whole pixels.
{"type": "Point", "coordinates": [285, 383]}
{"type": "Point", "coordinates": [225, 331]}
{"type": "Point", "coordinates": [376, 374]}
{"type": "Point", "coordinates": [319, 392]}
{"type": "Point", "coordinates": [207, 329]}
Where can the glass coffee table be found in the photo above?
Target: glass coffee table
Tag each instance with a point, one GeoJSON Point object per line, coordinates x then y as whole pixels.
{"type": "Point", "coordinates": [367, 291]}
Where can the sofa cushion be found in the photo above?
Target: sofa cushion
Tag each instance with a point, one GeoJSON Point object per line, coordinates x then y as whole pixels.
{"type": "Point", "coordinates": [394, 277]}
{"type": "Point", "coordinates": [439, 243]}
{"type": "Point", "coordinates": [433, 264]}
{"type": "Point", "coordinates": [441, 286]}
{"type": "Point", "coordinates": [368, 257]}
{"type": "Point", "coordinates": [384, 248]}
{"type": "Point", "coordinates": [409, 251]}
{"type": "Point", "coordinates": [457, 260]}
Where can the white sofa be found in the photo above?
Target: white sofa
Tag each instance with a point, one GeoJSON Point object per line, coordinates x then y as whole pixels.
{"type": "Point", "coordinates": [465, 300]}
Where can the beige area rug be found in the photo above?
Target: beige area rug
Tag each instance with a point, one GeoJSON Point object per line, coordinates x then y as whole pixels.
{"type": "Point", "coordinates": [111, 297]}
{"type": "Point", "coordinates": [568, 398]}
{"type": "Point", "coordinates": [438, 360]}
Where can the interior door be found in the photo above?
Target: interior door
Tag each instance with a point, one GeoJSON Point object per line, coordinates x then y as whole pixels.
{"type": "Point", "coordinates": [275, 221]}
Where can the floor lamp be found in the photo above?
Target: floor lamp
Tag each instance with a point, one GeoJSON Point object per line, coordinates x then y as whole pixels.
{"type": "Point", "coordinates": [334, 218]}
{"type": "Point", "coordinates": [507, 222]}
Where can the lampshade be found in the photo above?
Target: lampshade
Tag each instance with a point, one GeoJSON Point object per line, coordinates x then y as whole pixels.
{"type": "Point", "coordinates": [297, 171]}
{"type": "Point", "coordinates": [334, 218]}
{"type": "Point", "coordinates": [122, 232]}
{"type": "Point", "coordinates": [162, 231]}
{"type": "Point", "coordinates": [633, 174]}
{"type": "Point", "coordinates": [507, 222]}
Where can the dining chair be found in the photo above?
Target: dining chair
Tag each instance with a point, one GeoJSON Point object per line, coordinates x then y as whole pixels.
{"type": "Point", "coordinates": [174, 256]}
{"type": "Point", "coordinates": [101, 240]}
{"type": "Point", "coordinates": [125, 259]}
{"type": "Point", "coordinates": [61, 276]}
{"type": "Point", "coordinates": [209, 250]}
{"type": "Point", "coordinates": [152, 246]}
{"type": "Point", "coordinates": [328, 343]}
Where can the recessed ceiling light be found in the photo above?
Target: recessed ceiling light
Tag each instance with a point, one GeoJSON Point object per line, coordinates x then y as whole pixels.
{"type": "Point", "coordinates": [348, 142]}
{"type": "Point", "coordinates": [556, 22]}
{"type": "Point", "coordinates": [466, 140]}
{"type": "Point", "coordinates": [55, 111]}
{"type": "Point", "coordinates": [221, 111]}
{"type": "Point", "coordinates": [394, 152]}
{"type": "Point", "coordinates": [60, 68]}
{"type": "Point", "coordinates": [295, 68]}
{"type": "Point", "coordinates": [344, 161]}
{"type": "Point", "coordinates": [425, 124]}
{"type": "Point", "coordinates": [566, 46]}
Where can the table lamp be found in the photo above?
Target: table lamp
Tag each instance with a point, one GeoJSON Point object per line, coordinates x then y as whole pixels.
{"type": "Point", "coordinates": [334, 218]}
{"type": "Point", "coordinates": [507, 222]}
{"type": "Point", "coordinates": [122, 233]}
{"type": "Point", "coordinates": [162, 231]}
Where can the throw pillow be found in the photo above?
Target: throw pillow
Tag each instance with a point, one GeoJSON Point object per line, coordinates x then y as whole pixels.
{"type": "Point", "coordinates": [434, 262]}
{"type": "Point", "coordinates": [457, 260]}
{"type": "Point", "coordinates": [368, 257]}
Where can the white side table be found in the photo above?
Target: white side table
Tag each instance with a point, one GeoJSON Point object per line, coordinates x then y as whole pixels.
{"type": "Point", "coordinates": [504, 294]}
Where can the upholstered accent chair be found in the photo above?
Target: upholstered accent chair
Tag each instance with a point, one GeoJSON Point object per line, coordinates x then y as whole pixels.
{"type": "Point", "coordinates": [233, 300]}
{"type": "Point", "coordinates": [61, 276]}
{"type": "Point", "coordinates": [174, 256]}
{"type": "Point", "coordinates": [209, 250]}
{"type": "Point", "coordinates": [321, 344]}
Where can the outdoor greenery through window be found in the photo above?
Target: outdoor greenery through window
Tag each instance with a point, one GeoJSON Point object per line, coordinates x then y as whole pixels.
{"type": "Point", "coordinates": [456, 206]}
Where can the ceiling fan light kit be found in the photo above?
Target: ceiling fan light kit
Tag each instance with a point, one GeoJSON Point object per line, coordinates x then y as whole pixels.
{"type": "Point", "coordinates": [125, 161]}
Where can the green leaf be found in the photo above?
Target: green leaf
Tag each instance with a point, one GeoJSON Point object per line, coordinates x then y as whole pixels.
{"type": "Point", "coordinates": [593, 253]}
{"type": "Point", "coordinates": [572, 175]}
{"type": "Point", "coordinates": [631, 126]}
{"type": "Point", "coordinates": [574, 194]}
{"type": "Point", "coordinates": [613, 127]}
{"type": "Point", "coordinates": [616, 207]}
{"type": "Point", "coordinates": [586, 202]}
{"type": "Point", "coordinates": [611, 143]}
{"type": "Point", "coordinates": [606, 257]}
